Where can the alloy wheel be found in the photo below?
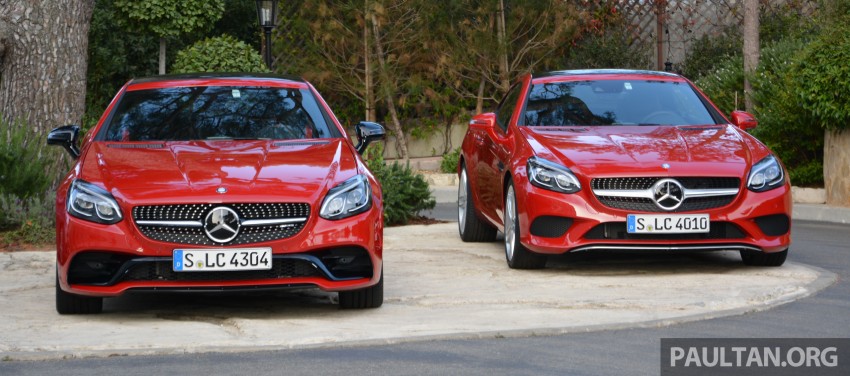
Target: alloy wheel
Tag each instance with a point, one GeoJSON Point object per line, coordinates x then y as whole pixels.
{"type": "Point", "coordinates": [510, 223]}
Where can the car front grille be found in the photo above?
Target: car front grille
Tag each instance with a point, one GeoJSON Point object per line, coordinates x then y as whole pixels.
{"type": "Point", "coordinates": [180, 224]}
{"type": "Point", "coordinates": [620, 200]}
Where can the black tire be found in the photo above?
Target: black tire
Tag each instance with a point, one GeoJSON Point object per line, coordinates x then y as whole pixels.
{"type": "Point", "coordinates": [764, 259]}
{"type": "Point", "coordinates": [470, 227]}
{"type": "Point", "coordinates": [517, 256]}
{"type": "Point", "coordinates": [369, 297]}
{"type": "Point", "coordinates": [73, 304]}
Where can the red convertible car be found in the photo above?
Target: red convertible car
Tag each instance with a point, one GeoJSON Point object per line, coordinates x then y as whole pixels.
{"type": "Point", "coordinates": [217, 183]}
{"type": "Point", "coordinates": [625, 160]}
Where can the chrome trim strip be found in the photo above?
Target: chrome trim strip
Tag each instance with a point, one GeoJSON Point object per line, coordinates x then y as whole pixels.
{"type": "Point", "coordinates": [644, 193]}
{"type": "Point", "coordinates": [250, 222]}
{"type": "Point", "coordinates": [266, 222]}
{"type": "Point", "coordinates": [707, 247]}
{"type": "Point", "coordinates": [648, 193]}
{"type": "Point", "coordinates": [710, 192]}
{"type": "Point", "coordinates": [171, 223]}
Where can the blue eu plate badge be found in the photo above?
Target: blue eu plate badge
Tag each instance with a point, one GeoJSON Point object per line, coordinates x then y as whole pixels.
{"type": "Point", "coordinates": [178, 259]}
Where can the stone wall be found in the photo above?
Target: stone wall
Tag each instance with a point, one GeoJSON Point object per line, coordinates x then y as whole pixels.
{"type": "Point", "coordinates": [836, 167]}
{"type": "Point", "coordinates": [432, 146]}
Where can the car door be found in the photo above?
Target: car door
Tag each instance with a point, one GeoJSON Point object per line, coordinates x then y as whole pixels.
{"type": "Point", "coordinates": [493, 158]}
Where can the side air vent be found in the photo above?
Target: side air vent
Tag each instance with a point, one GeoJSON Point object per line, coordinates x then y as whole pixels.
{"type": "Point", "coordinates": [549, 226]}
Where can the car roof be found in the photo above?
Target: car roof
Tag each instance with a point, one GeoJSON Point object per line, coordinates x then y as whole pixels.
{"type": "Point", "coordinates": [216, 79]}
{"type": "Point", "coordinates": [607, 74]}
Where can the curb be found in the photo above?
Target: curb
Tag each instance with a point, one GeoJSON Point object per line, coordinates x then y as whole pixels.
{"type": "Point", "coordinates": [821, 213]}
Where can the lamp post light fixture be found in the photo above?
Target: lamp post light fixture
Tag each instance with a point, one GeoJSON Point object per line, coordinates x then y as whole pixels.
{"type": "Point", "coordinates": [267, 15]}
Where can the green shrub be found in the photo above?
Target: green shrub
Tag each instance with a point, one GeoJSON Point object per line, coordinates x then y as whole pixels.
{"type": "Point", "coordinates": [23, 161]}
{"type": "Point", "coordinates": [219, 54]}
{"type": "Point", "coordinates": [725, 85]}
{"type": "Point", "coordinates": [406, 192]}
{"type": "Point", "coordinates": [708, 52]}
{"type": "Point", "coordinates": [31, 220]}
{"type": "Point", "coordinates": [449, 163]}
{"type": "Point", "coordinates": [823, 76]}
{"type": "Point", "coordinates": [782, 125]}
{"type": "Point", "coordinates": [781, 122]}
{"type": "Point", "coordinates": [26, 203]}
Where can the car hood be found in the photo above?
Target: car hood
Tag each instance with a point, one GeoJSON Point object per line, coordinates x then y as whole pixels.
{"type": "Point", "coordinates": [195, 171]}
{"type": "Point", "coordinates": [684, 150]}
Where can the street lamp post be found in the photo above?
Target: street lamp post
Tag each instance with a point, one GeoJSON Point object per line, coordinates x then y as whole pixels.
{"type": "Point", "coordinates": [267, 14]}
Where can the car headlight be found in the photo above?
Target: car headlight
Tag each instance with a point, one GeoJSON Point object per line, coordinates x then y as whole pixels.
{"type": "Point", "coordinates": [92, 203]}
{"type": "Point", "coordinates": [551, 176]}
{"type": "Point", "coordinates": [352, 197]}
{"type": "Point", "coordinates": [767, 174]}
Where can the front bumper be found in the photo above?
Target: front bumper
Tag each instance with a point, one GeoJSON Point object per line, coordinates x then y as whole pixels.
{"type": "Point", "coordinates": [131, 261]}
{"type": "Point", "coordinates": [555, 223]}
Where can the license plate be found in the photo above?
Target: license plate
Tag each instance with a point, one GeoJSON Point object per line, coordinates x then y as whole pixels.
{"type": "Point", "coordinates": [667, 224]}
{"type": "Point", "coordinates": [200, 260]}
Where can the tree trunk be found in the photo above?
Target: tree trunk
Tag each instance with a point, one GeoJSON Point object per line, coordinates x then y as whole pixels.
{"type": "Point", "coordinates": [751, 48]}
{"type": "Point", "coordinates": [43, 61]}
{"type": "Point", "coordinates": [161, 55]}
{"type": "Point", "coordinates": [660, 15]}
{"type": "Point", "coordinates": [387, 91]}
{"type": "Point", "coordinates": [501, 35]}
{"type": "Point", "coordinates": [369, 97]}
{"type": "Point", "coordinates": [479, 102]}
{"type": "Point", "coordinates": [836, 167]}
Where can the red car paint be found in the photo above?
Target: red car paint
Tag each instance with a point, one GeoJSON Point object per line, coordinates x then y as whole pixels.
{"type": "Point", "coordinates": [190, 172]}
{"type": "Point", "coordinates": [492, 158]}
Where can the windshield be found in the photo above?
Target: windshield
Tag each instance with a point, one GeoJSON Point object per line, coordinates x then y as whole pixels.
{"type": "Point", "coordinates": [217, 112]}
{"type": "Point", "coordinates": [615, 102]}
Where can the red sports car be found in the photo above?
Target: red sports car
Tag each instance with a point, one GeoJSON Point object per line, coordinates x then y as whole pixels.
{"type": "Point", "coordinates": [626, 160]}
{"type": "Point", "coordinates": [217, 183]}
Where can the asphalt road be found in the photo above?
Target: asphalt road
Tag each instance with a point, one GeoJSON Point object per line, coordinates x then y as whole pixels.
{"type": "Point", "coordinates": [618, 352]}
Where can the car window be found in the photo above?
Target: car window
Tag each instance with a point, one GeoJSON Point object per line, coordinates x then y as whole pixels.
{"type": "Point", "coordinates": [507, 106]}
{"type": "Point", "coordinates": [217, 112]}
{"type": "Point", "coordinates": [615, 102]}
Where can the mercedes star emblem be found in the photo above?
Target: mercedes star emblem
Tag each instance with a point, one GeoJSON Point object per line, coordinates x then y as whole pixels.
{"type": "Point", "coordinates": [222, 224]}
{"type": "Point", "coordinates": [668, 194]}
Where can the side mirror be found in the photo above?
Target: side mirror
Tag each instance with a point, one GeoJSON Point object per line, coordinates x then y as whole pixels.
{"type": "Point", "coordinates": [66, 137]}
{"type": "Point", "coordinates": [368, 132]}
{"type": "Point", "coordinates": [744, 120]}
{"type": "Point", "coordinates": [485, 120]}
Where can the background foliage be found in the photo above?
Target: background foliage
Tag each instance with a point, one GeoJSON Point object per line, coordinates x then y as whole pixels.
{"type": "Point", "coordinates": [823, 76]}
{"type": "Point", "coordinates": [441, 62]}
{"type": "Point", "coordinates": [26, 200]}
{"type": "Point", "coordinates": [776, 89]}
{"type": "Point", "coordinates": [117, 54]}
{"type": "Point", "coordinates": [449, 163]}
{"type": "Point", "coordinates": [167, 18]}
{"type": "Point", "coordinates": [219, 54]}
